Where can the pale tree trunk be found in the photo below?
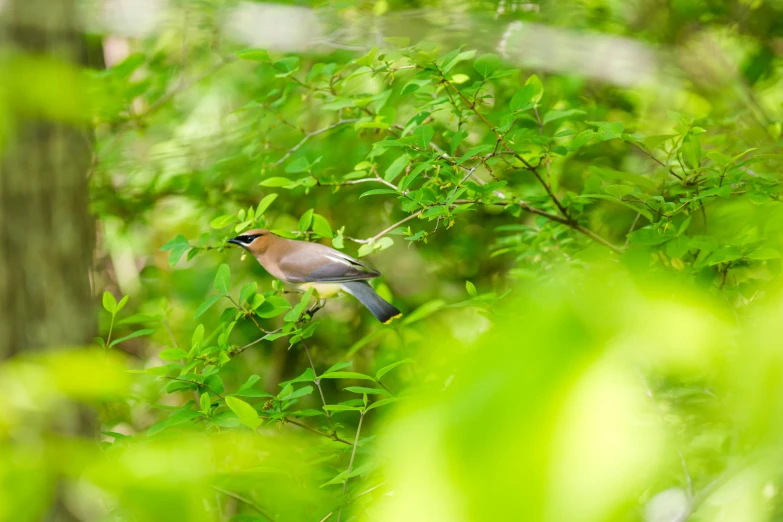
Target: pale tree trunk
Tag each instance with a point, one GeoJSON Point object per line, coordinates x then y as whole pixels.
{"type": "Point", "coordinates": [46, 231]}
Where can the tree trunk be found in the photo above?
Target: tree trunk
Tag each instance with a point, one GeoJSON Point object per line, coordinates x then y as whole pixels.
{"type": "Point", "coordinates": [46, 231]}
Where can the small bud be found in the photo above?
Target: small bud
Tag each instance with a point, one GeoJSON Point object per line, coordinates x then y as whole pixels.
{"type": "Point", "coordinates": [244, 255]}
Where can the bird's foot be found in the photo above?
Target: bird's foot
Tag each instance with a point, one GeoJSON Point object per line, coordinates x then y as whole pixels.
{"type": "Point", "coordinates": [320, 304]}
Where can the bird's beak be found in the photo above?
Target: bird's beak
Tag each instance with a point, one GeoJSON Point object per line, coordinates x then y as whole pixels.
{"type": "Point", "coordinates": [235, 241]}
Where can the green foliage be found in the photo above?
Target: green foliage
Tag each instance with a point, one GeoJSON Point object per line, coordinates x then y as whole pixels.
{"type": "Point", "coordinates": [590, 278]}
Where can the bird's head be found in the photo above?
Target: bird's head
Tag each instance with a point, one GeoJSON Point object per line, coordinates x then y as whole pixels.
{"type": "Point", "coordinates": [254, 241]}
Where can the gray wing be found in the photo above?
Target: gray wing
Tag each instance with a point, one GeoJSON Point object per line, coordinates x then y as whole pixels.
{"type": "Point", "coordinates": [314, 263]}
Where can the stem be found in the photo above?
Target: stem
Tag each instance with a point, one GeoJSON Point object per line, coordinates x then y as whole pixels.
{"type": "Point", "coordinates": [350, 463]}
{"type": "Point", "coordinates": [108, 338]}
{"type": "Point", "coordinates": [245, 501]}
{"type": "Point", "coordinates": [385, 388]}
{"type": "Point", "coordinates": [317, 382]}
{"type": "Point", "coordinates": [382, 233]}
{"type": "Point", "coordinates": [502, 140]}
{"type": "Point", "coordinates": [659, 162]}
{"type": "Point", "coordinates": [310, 135]}
{"type": "Point", "coordinates": [333, 437]}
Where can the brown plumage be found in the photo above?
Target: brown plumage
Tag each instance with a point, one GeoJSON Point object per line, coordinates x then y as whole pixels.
{"type": "Point", "coordinates": [305, 265]}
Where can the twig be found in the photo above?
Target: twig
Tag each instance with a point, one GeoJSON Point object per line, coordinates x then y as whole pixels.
{"type": "Point", "coordinates": [350, 463]}
{"type": "Point", "coordinates": [500, 137]}
{"type": "Point", "coordinates": [245, 501]}
{"type": "Point", "coordinates": [194, 382]}
{"type": "Point", "coordinates": [382, 233]}
{"type": "Point", "coordinates": [333, 437]}
{"type": "Point", "coordinates": [659, 162]}
{"type": "Point", "coordinates": [310, 135]}
{"type": "Point", "coordinates": [633, 225]}
{"type": "Point", "coordinates": [573, 224]}
{"type": "Point", "coordinates": [317, 382]}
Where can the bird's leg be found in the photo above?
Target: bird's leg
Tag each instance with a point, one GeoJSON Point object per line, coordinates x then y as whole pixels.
{"type": "Point", "coordinates": [317, 306]}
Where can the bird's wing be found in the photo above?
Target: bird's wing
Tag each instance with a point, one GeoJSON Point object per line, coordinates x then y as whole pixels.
{"type": "Point", "coordinates": [314, 263]}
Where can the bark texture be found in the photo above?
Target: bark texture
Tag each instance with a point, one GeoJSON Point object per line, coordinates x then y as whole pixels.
{"type": "Point", "coordinates": [46, 231]}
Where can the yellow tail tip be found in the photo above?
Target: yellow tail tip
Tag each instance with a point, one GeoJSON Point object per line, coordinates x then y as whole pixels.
{"type": "Point", "coordinates": [392, 319]}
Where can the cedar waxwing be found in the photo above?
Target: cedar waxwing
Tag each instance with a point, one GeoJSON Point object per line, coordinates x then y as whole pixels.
{"type": "Point", "coordinates": [311, 265]}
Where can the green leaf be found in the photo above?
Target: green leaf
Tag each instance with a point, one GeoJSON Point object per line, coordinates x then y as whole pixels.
{"type": "Point", "coordinates": [246, 413]}
{"type": "Point", "coordinates": [383, 402]}
{"type": "Point", "coordinates": [223, 279]}
{"type": "Point", "coordinates": [609, 130]}
{"type": "Point", "coordinates": [618, 191]}
{"type": "Point", "coordinates": [523, 98]}
{"type": "Point", "coordinates": [370, 391]}
{"type": "Point", "coordinates": [173, 354]}
{"type": "Point", "coordinates": [305, 221]}
{"type": "Point", "coordinates": [486, 64]}
{"type": "Point", "coordinates": [425, 310]}
{"type": "Point", "coordinates": [706, 243]}
{"type": "Point", "coordinates": [300, 164]}
{"type": "Point", "coordinates": [650, 237]}
{"type": "Point", "coordinates": [691, 151]}
{"type": "Point", "coordinates": [109, 303]}
{"type": "Point", "coordinates": [538, 88]}
{"type": "Point", "coordinates": [557, 115]}
{"type": "Point", "coordinates": [301, 392]}
{"type": "Point", "coordinates": [138, 333]}
{"type": "Point", "coordinates": [288, 64]}
{"type": "Point", "coordinates": [256, 55]}
{"type": "Point", "coordinates": [206, 305]}
{"type": "Point", "coordinates": [177, 247]}
{"type": "Point", "coordinates": [471, 288]}
{"type": "Point", "coordinates": [222, 221]}
{"type": "Point", "coordinates": [422, 136]}
{"type": "Point", "coordinates": [346, 375]}
{"type": "Point", "coordinates": [386, 369]}
{"type": "Point", "coordinates": [377, 192]}
{"type": "Point", "coordinates": [276, 182]}
{"type": "Point", "coordinates": [396, 167]}
{"type": "Point", "coordinates": [205, 402]}
{"type": "Point", "coordinates": [198, 336]}
{"type": "Point", "coordinates": [763, 253]}
{"type": "Point", "coordinates": [321, 226]}
{"type": "Point", "coordinates": [268, 199]}
{"type": "Point", "coordinates": [248, 290]}
{"type": "Point", "coordinates": [121, 304]}
{"type": "Point", "coordinates": [338, 366]}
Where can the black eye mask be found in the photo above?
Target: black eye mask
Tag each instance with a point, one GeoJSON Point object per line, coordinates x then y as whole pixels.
{"type": "Point", "coordinates": [246, 239]}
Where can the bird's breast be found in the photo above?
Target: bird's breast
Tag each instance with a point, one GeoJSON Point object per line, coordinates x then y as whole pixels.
{"type": "Point", "coordinates": [322, 289]}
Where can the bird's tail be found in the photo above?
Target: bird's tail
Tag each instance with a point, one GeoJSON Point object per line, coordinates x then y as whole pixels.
{"type": "Point", "coordinates": [362, 291]}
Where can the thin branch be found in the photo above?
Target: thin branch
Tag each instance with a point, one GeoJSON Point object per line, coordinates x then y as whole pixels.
{"type": "Point", "coordinates": [350, 463]}
{"type": "Point", "coordinates": [382, 233]}
{"type": "Point", "coordinates": [333, 437]}
{"type": "Point", "coordinates": [317, 382]}
{"type": "Point", "coordinates": [245, 501]}
{"type": "Point", "coordinates": [310, 135]}
{"type": "Point", "coordinates": [194, 382]}
{"type": "Point", "coordinates": [659, 162]}
{"type": "Point", "coordinates": [502, 140]}
{"type": "Point", "coordinates": [573, 224]}
{"type": "Point", "coordinates": [376, 179]}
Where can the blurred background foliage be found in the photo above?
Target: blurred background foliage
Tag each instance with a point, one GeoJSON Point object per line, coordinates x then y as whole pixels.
{"type": "Point", "coordinates": [574, 203]}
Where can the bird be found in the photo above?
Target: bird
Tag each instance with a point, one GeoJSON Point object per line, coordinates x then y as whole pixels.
{"type": "Point", "coordinates": [306, 265]}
